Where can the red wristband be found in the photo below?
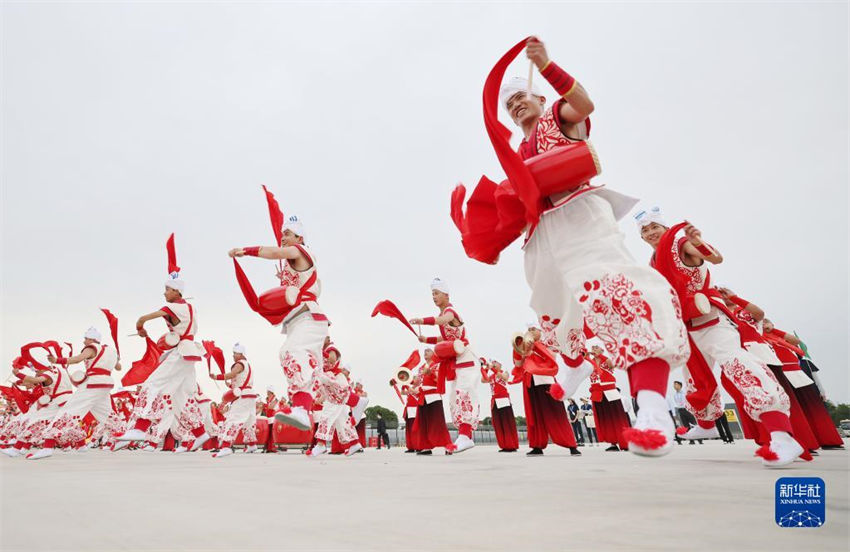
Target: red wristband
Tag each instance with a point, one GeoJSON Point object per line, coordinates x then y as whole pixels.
{"type": "Point", "coordinates": [560, 80]}
{"type": "Point", "coordinates": [62, 361]}
{"type": "Point", "coordinates": [431, 340]}
{"type": "Point", "coordinates": [429, 320]}
{"type": "Point", "coordinates": [705, 249]}
{"type": "Point", "coordinates": [252, 251]}
{"type": "Point", "coordinates": [738, 301]}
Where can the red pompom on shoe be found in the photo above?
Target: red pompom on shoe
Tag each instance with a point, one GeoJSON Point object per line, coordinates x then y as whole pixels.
{"type": "Point", "coordinates": [767, 454]}
{"type": "Point", "coordinates": [556, 391]}
{"type": "Point", "coordinates": [807, 456]}
{"type": "Point", "coordinates": [649, 439]}
{"type": "Point", "coordinates": [681, 430]}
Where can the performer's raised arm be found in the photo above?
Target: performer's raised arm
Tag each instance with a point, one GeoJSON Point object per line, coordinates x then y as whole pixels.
{"type": "Point", "coordinates": [730, 297]}
{"type": "Point", "coordinates": [695, 250]}
{"type": "Point", "coordinates": [577, 105]}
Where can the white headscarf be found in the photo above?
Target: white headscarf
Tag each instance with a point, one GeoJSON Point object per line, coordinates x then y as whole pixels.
{"type": "Point", "coordinates": [295, 226]}
{"type": "Point", "coordinates": [440, 285]}
{"type": "Point", "coordinates": [92, 333]}
{"type": "Point", "coordinates": [514, 85]}
{"type": "Point", "coordinates": [647, 217]}
{"type": "Point", "coordinates": [175, 283]}
{"type": "Point", "coordinates": [239, 348]}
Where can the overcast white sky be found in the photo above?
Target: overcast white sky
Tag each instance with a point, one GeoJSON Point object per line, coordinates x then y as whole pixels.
{"type": "Point", "coordinates": [122, 123]}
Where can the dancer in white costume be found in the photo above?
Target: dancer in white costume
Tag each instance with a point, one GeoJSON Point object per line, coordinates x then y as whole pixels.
{"type": "Point", "coordinates": [56, 390]}
{"type": "Point", "coordinates": [92, 395]}
{"type": "Point", "coordinates": [335, 393]}
{"type": "Point", "coordinates": [165, 392]}
{"type": "Point", "coordinates": [242, 415]}
{"type": "Point", "coordinates": [305, 325]}
{"type": "Point", "coordinates": [458, 364]}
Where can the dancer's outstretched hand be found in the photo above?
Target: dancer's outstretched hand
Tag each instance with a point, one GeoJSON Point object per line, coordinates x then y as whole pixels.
{"type": "Point", "coordinates": [236, 252]}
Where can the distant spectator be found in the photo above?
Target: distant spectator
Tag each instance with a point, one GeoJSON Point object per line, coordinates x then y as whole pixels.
{"type": "Point", "coordinates": [382, 432]}
{"type": "Point", "coordinates": [575, 415]}
{"type": "Point", "coordinates": [589, 422]}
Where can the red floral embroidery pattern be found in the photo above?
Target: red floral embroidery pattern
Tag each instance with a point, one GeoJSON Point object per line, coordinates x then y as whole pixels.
{"type": "Point", "coordinates": [761, 394]}
{"type": "Point", "coordinates": [462, 410]}
{"type": "Point", "coordinates": [619, 315]}
{"type": "Point", "coordinates": [549, 135]}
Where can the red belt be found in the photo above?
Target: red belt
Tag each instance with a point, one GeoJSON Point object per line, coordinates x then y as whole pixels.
{"type": "Point", "coordinates": [100, 386]}
{"type": "Point", "coordinates": [254, 396]}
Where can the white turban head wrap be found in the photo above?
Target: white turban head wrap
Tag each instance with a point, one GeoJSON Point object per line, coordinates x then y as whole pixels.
{"type": "Point", "coordinates": [92, 333]}
{"type": "Point", "coordinates": [295, 226]}
{"type": "Point", "coordinates": [440, 285]}
{"type": "Point", "coordinates": [239, 348]}
{"type": "Point", "coordinates": [175, 283]}
{"type": "Point", "coordinates": [514, 85]}
{"type": "Point", "coordinates": [647, 217]}
{"type": "Point", "coordinates": [270, 389]}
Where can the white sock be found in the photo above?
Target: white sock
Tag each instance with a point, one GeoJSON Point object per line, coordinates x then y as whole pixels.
{"type": "Point", "coordinates": [652, 401]}
{"type": "Point", "coordinates": [780, 437]}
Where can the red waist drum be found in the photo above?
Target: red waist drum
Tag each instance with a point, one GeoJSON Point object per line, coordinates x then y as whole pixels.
{"type": "Point", "coordinates": [564, 168]}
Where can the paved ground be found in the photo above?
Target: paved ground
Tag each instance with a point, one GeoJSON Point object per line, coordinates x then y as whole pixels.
{"type": "Point", "coordinates": [711, 497]}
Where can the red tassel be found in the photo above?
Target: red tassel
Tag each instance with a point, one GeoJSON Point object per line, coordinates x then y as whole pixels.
{"type": "Point", "coordinates": [649, 439]}
{"type": "Point", "coordinates": [172, 255]}
{"type": "Point", "coordinates": [681, 430]}
{"type": "Point", "coordinates": [556, 391]}
{"type": "Point", "coordinates": [766, 453]}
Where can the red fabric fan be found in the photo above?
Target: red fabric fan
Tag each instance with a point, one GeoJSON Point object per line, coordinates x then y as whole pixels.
{"type": "Point", "coordinates": [516, 171]}
{"type": "Point", "coordinates": [141, 369]}
{"type": "Point", "coordinates": [494, 218]}
{"type": "Point", "coordinates": [388, 308]}
{"type": "Point", "coordinates": [113, 328]}
{"type": "Point", "coordinates": [172, 255]}
{"type": "Point", "coordinates": [21, 398]}
{"type": "Point", "coordinates": [274, 317]}
{"type": "Point", "coordinates": [540, 362]}
{"type": "Point", "coordinates": [52, 347]}
{"type": "Point", "coordinates": [214, 353]}
{"type": "Point", "coordinates": [412, 361]}
{"type": "Point", "coordinates": [275, 215]}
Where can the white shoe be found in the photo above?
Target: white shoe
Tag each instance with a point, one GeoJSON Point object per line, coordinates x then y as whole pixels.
{"type": "Point", "coordinates": [359, 409]}
{"type": "Point", "coordinates": [250, 450]}
{"type": "Point", "coordinates": [297, 417]}
{"type": "Point", "coordinates": [83, 448]}
{"type": "Point", "coordinates": [133, 435]}
{"type": "Point", "coordinates": [120, 445]}
{"type": "Point", "coordinates": [462, 443]}
{"type": "Point", "coordinates": [11, 452]}
{"type": "Point", "coordinates": [43, 453]}
{"type": "Point", "coordinates": [652, 434]}
{"type": "Point", "coordinates": [570, 378]}
{"type": "Point", "coordinates": [698, 432]}
{"type": "Point", "coordinates": [180, 449]}
{"type": "Point", "coordinates": [149, 448]}
{"type": "Point", "coordinates": [353, 449]}
{"type": "Point", "coordinates": [317, 451]}
{"type": "Point", "coordinates": [227, 451]}
{"type": "Point", "coordinates": [199, 442]}
{"type": "Point", "coordinates": [783, 450]}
